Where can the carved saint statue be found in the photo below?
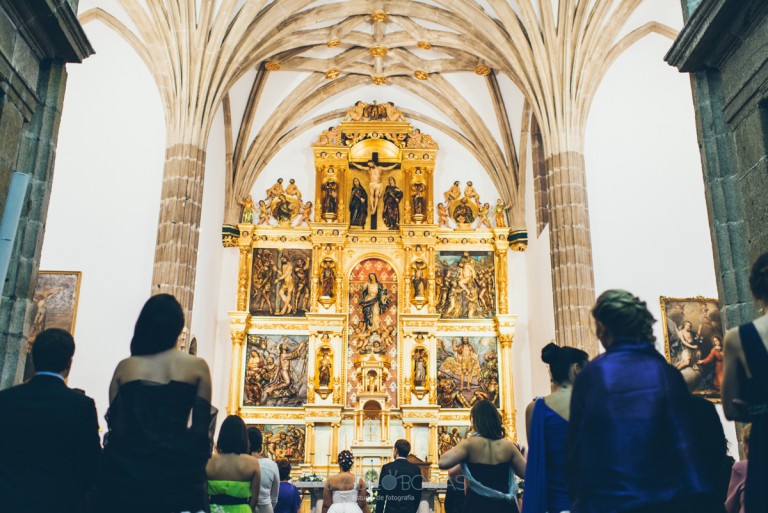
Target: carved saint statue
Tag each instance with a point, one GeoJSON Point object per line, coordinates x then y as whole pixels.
{"type": "Point", "coordinates": [330, 197]}
{"type": "Point", "coordinates": [371, 384]}
{"type": "Point", "coordinates": [358, 204]}
{"type": "Point", "coordinates": [442, 216]}
{"type": "Point", "coordinates": [275, 191]}
{"type": "Point", "coordinates": [463, 212]}
{"type": "Point", "coordinates": [306, 213]}
{"type": "Point", "coordinates": [419, 368]}
{"type": "Point", "coordinates": [374, 170]}
{"type": "Point", "coordinates": [248, 207]}
{"type": "Point", "coordinates": [374, 302]}
{"type": "Point", "coordinates": [325, 369]}
{"type": "Point", "coordinates": [282, 209]}
{"type": "Point", "coordinates": [498, 211]}
{"type": "Point", "coordinates": [453, 193]}
{"type": "Point", "coordinates": [392, 197]}
{"type": "Point", "coordinates": [283, 381]}
{"type": "Point", "coordinates": [328, 278]}
{"type": "Point", "coordinates": [482, 216]}
{"type": "Point", "coordinates": [471, 193]}
{"type": "Point", "coordinates": [418, 281]}
{"type": "Point", "coordinates": [418, 202]}
{"type": "Point", "coordinates": [293, 190]}
{"type": "Point", "coordinates": [264, 212]}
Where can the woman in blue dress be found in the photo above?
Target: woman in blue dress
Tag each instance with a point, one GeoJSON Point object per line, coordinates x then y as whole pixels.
{"type": "Point", "coordinates": [547, 426]}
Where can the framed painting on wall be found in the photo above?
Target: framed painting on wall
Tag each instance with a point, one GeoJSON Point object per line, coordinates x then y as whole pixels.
{"type": "Point", "coordinates": [693, 342]}
{"type": "Point", "coordinates": [283, 441]}
{"type": "Point", "coordinates": [275, 370]}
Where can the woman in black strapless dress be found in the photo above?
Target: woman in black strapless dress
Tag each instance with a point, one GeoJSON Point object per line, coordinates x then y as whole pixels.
{"type": "Point", "coordinates": [489, 462]}
{"type": "Point", "coordinates": [160, 421]}
{"type": "Point", "coordinates": [745, 387]}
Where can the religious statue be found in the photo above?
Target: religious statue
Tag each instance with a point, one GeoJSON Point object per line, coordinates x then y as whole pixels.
{"type": "Point", "coordinates": [328, 278]}
{"type": "Point", "coordinates": [374, 302]}
{"type": "Point", "coordinates": [306, 213]}
{"type": "Point", "coordinates": [453, 193]}
{"type": "Point", "coordinates": [420, 367]}
{"type": "Point", "coordinates": [371, 383]}
{"type": "Point", "coordinates": [469, 365]}
{"type": "Point", "coordinates": [275, 191]}
{"type": "Point", "coordinates": [471, 194]}
{"type": "Point", "coordinates": [330, 197]}
{"type": "Point", "coordinates": [442, 216]}
{"type": "Point", "coordinates": [498, 211]}
{"type": "Point", "coordinates": [418, 202]}
{"type": "Point", "coordinates": [264, 213]}
{"type": "Point", "coordinates": [418, 280]}
{"type": "Point", "coordinates": [443, 440]}
{"type": "Point", "coordinates": [374, 170]}
{"type": "Point", "coordinates": [282, 209]}
{"type": "Point", "coordinates": [283, 382]}
{"type": "Point", "coordinates": [330, 137]}
{"type": "Point", "coordinates": [356, 112]}
{"type": "Point", "coordinates": [375, 112]}
{"type": "Point", "coordinates": [302, 293]}
{"type": "Point", "coordinates": [358, 204]}
{"type": "Point", "coordinates": [248, 206]}
{"type": "Point", "coordinates": [325, 368]}
{"type": "Point", "coordinates": [392, 197]}
{"type": "Point", "coordinates": [447, 394]}
{"type": "Point", "coordinates": [463, 212]}
{"type": "Point", "coordinates": [482, 216]}
{"type": "Point", "coordinates": [263, 270]}
{"type": "Point", "coordinates": [287, 277]}
{"type": "Point", "coordinates": [414, 139]}
{"type": "Point", "coordinates": [293, 190]}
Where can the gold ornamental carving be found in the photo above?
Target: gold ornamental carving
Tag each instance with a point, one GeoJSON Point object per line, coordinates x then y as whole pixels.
{"type": "Point", "coordinates": [421, 74]}
{"type": "Point", "coordinates": [272, 66]}
{"type": "Point", "coordinates": [379, 16]}
{"type": "Point", "coordinates": [378, 51]}
{"type": "Point", "coordinates": [482, 70]}
{"type": "Point", "coordinates": [333, 43]}
{"type": "Point", "coordinates": [424, 45]}
{"type": "Point", "coordinates": [379, 79]}
{"type": "Point", "coordinates": [332, 74]}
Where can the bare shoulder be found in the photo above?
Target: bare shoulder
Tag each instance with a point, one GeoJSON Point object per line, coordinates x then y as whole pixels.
{"type": "Point", "coordinates": [249, 462]}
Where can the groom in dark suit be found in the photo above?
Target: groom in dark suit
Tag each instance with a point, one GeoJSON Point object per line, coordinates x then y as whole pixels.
{"type": "Point", "coordinates": [49, 435]}
{"type": "Point", "coordinates": [399, 483]}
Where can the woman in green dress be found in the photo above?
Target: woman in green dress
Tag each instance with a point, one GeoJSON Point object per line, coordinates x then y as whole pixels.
{"type": "Point", "coordinates": [234, 476]}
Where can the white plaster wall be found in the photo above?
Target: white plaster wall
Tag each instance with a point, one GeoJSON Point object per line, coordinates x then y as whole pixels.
{"type": "Point", "coordinates": [105, 202]}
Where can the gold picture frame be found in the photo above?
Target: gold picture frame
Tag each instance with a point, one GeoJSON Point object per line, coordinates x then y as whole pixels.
{"type": "Point", "coordinates": [693, 342]}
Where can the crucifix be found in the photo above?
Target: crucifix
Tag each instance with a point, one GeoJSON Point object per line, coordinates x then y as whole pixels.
{"type": "Point", "coordinates": [374, 170]}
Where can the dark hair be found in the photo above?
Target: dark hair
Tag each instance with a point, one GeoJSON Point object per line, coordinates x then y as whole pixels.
{"type": "Point", "coordinates": [52, 350]}
{"type": "Point", "coordinates": [233, 437]}
{"type": "Point", "coordinates": [561, 359]}
{"type": "Point", "coordinates": [284, 467]}
{"type": "Point", "coordinates": [486, 420]}
{"type": "Point", "coordinates": [758, 278]}
{"type": "Point", "coordinates": [403, 447]}
{"type": "Point", "coordinates": [255, 438]}
{"type": "Point", "coordinates": [624, 315]}
{"type": "Point", "coordinates": [346, 460]}
{"type": "Point", "coordinates": [158, 326]}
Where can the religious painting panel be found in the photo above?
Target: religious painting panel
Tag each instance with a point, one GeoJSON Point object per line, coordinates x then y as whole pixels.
{"type": "Point", "coordinates": [373, 292]}
{"type": "Point", "coordinates": [276, 370]}
{"type": "Point", "coordinates": [281, 282]}
{"type": "Point", "coordinates": [466, 284]}
{"type": "Point", "coordinates": [449, 436]}
{"type": "Point", "coordinates": [283, 441]}
{"type": "Point", "coordinates": [54, 305]}
{"type": "Point", "coordinates": [467, 371]}
{"type": "Point", "coordinates": [693, 342]}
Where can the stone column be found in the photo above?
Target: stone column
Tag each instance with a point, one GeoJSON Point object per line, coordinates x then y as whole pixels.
{"type": "Point", "coordinates": [178, 229]}
{"type": "Point", "coordinates": [573, 283]}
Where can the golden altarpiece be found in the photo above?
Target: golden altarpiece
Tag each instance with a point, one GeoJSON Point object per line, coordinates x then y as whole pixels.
{"type": "Point", "coordinates": [381, 314]}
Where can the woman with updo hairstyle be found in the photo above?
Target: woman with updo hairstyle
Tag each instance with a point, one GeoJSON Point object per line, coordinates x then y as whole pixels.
{"type": "Point", "coordinates": [489, 461]}
{"type": "Point", "coordinates": [745, 386]}
{"type": "Point", "coordinates": [345, 492]}
{"type": "Point", "coordinates": [160, 420]}
{"type": "Point", "coordinates": [631, 443]}
{"type": "Point", "coordinates": [547, 425]}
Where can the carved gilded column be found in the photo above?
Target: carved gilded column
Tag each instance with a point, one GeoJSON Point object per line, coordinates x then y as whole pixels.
{"type": "Point", "coordinates": [408, 426]}
{"type": "Point", "coordinates": [237, 329]}
{"type": "Point", "coordinates": [244, 268]}
{"type": "Point", "coordinates": [432, 443]}
{"type": "Point", "coordinates": [335, 442]}
{"type": "Point", "coordinates": [502, 278]}
{"type": "Point", "coordinates": [507, 386]}
{"type": "Point", "coordinates": [309, 444]}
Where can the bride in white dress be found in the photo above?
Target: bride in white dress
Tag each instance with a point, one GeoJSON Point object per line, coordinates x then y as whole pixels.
{"type": "Point", "coordinates": [344, 492]}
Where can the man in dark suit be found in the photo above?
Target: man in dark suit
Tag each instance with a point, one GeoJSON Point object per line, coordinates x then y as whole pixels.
{"type": "Point", "coordinates": [49, 435]}
{"type": "Point", "coordinates": [399, 483]}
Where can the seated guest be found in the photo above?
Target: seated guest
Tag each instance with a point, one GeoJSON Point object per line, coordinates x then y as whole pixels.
{"type": "Point", "coordinates": [289, 498]}
{"type": "Point", "coordinates": [154, 456]}
{"type": "Point", "coordinates": [489, 462]}
{"type": "Point", "coordinates": [233, 475]}
{"type": "Point", "coordinates": [547, 427]}
{"type": "Point", "coordinates": [399, 483]}
{"type": "Point", "coordinates": [270, 482]}
{"type": "Point", "coordinates": [630, 443]}
{"type": "Point", "coordinates": [734, 503]}
{"type": "Point", "coordinates": [49, 435]}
